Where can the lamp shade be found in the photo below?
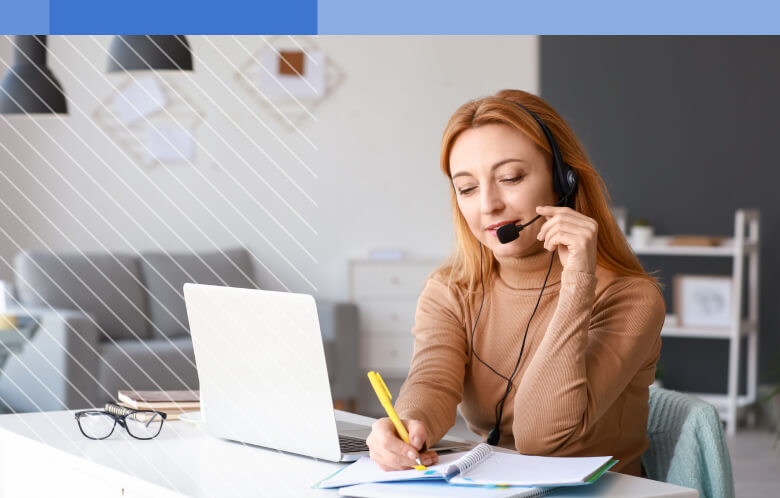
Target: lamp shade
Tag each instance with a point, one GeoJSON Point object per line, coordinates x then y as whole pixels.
{"type": "Point", "coordinates": [145, 52]}
{"type": "Point", "coordinates": [30, 87]}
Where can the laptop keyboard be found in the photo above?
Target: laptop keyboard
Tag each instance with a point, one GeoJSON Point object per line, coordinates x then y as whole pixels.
{"type": "Point", "coordinates": [351, 444]}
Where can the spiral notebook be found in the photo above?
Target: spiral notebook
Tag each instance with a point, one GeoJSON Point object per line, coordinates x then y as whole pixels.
{"type": "Point", "coordinates": [482, 466]}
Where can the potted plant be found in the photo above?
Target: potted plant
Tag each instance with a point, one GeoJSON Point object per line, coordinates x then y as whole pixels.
{"type": "Point", "coordinates": [641, 232]}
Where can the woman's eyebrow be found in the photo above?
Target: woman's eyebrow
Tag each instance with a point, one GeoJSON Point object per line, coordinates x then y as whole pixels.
{"type": "Point", "coordinates": [499, 163]}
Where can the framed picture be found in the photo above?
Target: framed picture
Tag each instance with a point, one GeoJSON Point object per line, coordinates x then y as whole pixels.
{"type": "Point", "coordinates": [703, 300]}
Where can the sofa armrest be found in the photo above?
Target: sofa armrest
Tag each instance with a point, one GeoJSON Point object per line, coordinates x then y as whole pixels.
{"type": "Point", "coordinates": [340, 334]}
{"type": "Point", "coordinates": [57, 368]}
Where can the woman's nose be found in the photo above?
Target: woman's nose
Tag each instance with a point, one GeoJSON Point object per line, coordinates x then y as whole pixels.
{"type": "Point", "coordinates": [490, 200]}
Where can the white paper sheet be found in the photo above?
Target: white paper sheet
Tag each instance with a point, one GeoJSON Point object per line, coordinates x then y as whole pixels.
{"type": "Point", "coordinates": [142, 97]}
{"type": "Point", "coordinates": [169, 144]}
{"type": "Point", "coordinates": [366, 470]}
{"type": "Point", "coordinates": [524, 470]}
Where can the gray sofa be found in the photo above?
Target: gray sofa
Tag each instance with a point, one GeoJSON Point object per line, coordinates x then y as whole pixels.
{"type": "Point", "coordinates": [118, 321]}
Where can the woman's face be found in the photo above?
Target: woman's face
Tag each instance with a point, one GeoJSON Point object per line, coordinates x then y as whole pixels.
{"type": "Point", "coordinates": [500, 176]}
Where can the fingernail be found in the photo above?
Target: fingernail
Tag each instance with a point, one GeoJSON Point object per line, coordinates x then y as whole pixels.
{"type": "Point", "coordinates": [412, 455]}
{"type": "Point", "coordinates": [417, 442]}
{"type": "Point", "coordinates": [427, 461]}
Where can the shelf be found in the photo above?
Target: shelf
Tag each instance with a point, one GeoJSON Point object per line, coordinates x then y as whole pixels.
{"type": "Point", "coordinates": [720, 402]}
{"type": "Point", "coordinates": [671, 329]}
{"type": "Point", "coordinates": [660, 246]}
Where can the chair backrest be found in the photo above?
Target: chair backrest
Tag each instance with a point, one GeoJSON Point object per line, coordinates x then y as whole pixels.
{"type": "Point", "coordinates": [107, 286]}
{"type": "Point", "coordinates": [129, 296]}
{"type": "Point", "coordinates": [165, 273]}
{"type": "Point", "coordinates": [687, 445]}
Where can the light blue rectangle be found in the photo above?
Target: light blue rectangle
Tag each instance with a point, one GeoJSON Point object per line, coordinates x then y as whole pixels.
{"type": "Point", "coordinates": [24, 17]}
{"type": "Point", "coordinates": [542, 17]}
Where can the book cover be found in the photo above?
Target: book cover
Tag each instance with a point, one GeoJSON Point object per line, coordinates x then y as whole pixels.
{"type": "Point", "coordinates": [160, 400]}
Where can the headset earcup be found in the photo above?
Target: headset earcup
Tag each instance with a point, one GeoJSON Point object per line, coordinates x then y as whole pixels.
{"type": "Point", "coordinates": [571, 181]}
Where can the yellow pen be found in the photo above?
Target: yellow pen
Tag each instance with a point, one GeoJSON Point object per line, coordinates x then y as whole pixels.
{"type": "Point", "coordinates": [385, 398]}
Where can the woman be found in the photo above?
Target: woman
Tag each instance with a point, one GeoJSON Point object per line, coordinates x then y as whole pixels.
{"type": "Point", "coordinates": [547, 343]}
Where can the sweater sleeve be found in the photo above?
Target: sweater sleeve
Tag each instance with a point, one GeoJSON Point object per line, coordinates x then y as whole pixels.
{"type": "Point", "coordinates": [434, 387]}
{"type": "Point", "coordinates": [588, 356]}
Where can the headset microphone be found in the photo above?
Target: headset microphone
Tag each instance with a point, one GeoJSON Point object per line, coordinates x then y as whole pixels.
{"type": "Point", "coordinates": [509, 232]}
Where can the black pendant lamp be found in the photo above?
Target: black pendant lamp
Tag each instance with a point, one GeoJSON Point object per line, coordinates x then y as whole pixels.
{"type": "Point", "coordinates": [149, 52]}
{"type": "Point", "coordinates": [30, 86]}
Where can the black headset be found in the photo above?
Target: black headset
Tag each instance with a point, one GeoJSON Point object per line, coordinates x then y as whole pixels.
{"type": "Point", "coordinates": [565, 183]}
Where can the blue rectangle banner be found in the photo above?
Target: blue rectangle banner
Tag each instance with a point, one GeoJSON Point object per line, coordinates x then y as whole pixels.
{"type": "Point", "coordinates": [150, 17]}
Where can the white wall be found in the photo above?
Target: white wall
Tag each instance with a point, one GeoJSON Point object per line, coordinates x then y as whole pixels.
{"type": "Point", "coordinates": [377, 139]}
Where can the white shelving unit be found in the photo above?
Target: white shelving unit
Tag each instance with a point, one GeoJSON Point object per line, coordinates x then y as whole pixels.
{"type": "Point", "coordinates": [744, 243]}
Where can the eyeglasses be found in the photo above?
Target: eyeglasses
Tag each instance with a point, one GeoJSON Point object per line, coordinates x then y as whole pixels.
{"type": "Point", "coordinates": [141, 424]}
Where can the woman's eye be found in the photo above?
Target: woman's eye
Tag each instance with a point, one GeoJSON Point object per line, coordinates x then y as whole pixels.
{"type": "Point", "coordinates": [465, 191]}
{"type": "Point", "coordinates": [512, 180]}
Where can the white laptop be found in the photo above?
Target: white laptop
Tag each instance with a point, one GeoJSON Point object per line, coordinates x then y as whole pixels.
{"type": "Point", "coordinates": [262, 372]}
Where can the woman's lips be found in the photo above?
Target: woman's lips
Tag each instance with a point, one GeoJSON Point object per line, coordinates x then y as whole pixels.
{"type": "Point", "coordinates": [494, 230]}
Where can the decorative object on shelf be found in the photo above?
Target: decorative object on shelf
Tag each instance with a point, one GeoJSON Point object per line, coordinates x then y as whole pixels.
{"type": "Point", "coordinates": [696, 240]}
{"type": "Point", "coordinates": [152, 120]}
{"type": "Point", "coordinates": [703, 300]}
{"type": "Point", "coordinates": [29, 86]}
{"type": "Point", "coordinates": [289, 76]}
{"type": "Point", "coordinates": [149, 52]}
{"type": "Point", "coordinates": [641, 232]}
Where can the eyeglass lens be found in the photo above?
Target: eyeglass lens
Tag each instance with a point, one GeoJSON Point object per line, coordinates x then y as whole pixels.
{"type": "Point", "coordinates": [144, 425]}
{"type": "Point", "coordinates": [96, 425]}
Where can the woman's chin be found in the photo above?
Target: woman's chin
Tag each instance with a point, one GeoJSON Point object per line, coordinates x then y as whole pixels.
{"type": "Point", "coordinates": [516, 248]}
{"type": "Point", "coordinates": [510, 249]}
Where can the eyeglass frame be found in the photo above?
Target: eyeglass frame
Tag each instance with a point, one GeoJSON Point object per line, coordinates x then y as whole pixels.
{"type": "Point", "coordinates": [121, 420]}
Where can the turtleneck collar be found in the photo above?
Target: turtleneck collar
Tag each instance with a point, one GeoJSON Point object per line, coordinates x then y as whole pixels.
{"type": "Point", "coordinates": [528, 272]}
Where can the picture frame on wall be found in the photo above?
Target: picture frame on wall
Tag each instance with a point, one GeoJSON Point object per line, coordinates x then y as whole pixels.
{"type": "Point", "coordinates": [703, 300]}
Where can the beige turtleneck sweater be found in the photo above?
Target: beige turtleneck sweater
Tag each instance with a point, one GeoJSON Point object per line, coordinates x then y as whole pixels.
{"type": "Point", "coordinates": [582, 384]}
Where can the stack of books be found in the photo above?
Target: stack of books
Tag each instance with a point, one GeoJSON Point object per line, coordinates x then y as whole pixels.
{"type": "Point", "coordinates": [173, 403]}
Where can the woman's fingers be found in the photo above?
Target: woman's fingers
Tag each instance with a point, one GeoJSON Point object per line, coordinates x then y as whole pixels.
{"type": "Point", "coordinates": [572, 238]}
{"type": "Point", "coordinates": [429, 458]}
{"type": "Point", "coordinates": [417, 434]}
{"type": "Point", "coordinates": [568, 222]}
{"type": "Point", "coordinates": [387, 449]}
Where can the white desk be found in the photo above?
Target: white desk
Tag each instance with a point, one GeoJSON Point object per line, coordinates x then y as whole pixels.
{"type": "Point", "coordinates": [44, 454]}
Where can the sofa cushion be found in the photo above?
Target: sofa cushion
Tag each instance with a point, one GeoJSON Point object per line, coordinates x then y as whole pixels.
{"type": "Point", "coordinates": [146, 365]}
{"type": "Point", "coordinates": [107, 286]}
{"type": "Point", "coordinates": [166, 273]}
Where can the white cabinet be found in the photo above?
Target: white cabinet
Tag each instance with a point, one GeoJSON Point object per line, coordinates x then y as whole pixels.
{"type": "Point", "coordinates": [386, 293]}
{"type": "Point", "coordinates": [745, 243]}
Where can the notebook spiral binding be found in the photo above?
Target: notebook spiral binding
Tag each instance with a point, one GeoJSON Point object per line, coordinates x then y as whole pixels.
{"type": "Point", "coordinates": [115, 409]}
{"type": "Point", "coordinates": [477, 455]}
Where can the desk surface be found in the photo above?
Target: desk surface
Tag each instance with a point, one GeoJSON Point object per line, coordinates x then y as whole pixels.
{"type": "Point", "coordinates": [184, 460]}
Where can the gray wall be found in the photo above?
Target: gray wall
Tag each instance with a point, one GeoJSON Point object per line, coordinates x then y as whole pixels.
{"type": "Point", "coordinates": [684, 130]}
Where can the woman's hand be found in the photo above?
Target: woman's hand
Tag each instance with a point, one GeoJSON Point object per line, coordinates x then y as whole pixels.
{"type": "Point", "coordinates": [391, 453]}
{"type": "Point", "coordinates": [573, 234]}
